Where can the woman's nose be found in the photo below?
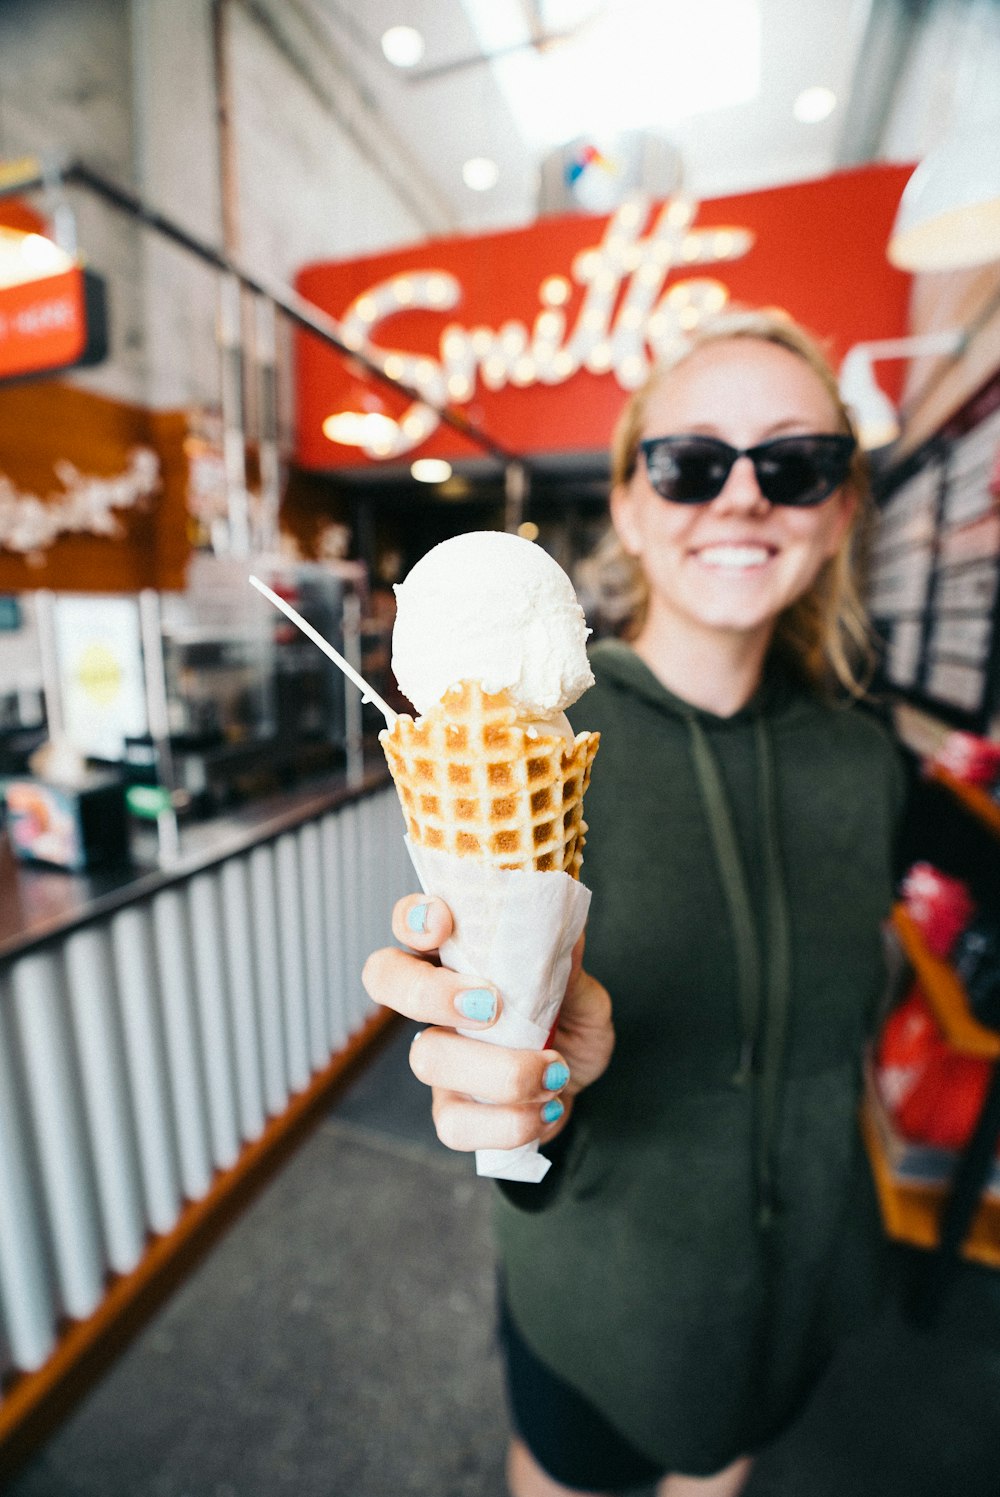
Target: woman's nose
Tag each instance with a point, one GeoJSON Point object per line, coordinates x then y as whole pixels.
{"type": "Point", "coordinates": [740, 494]}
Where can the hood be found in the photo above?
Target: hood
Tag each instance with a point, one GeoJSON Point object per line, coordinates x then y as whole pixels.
{"type": "Point", "coordinates": [616, 663]}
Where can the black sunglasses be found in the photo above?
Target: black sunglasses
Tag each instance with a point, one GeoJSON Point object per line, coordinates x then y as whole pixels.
{"type": "Point", "coordinates": [798, 470]}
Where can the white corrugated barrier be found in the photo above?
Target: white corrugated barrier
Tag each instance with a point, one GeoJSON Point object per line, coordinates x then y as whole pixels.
{"type": "Point", "coordinates": [140, 1052]}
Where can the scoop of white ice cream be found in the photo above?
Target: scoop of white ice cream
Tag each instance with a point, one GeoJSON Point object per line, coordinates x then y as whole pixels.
{"type": "Point", "coordinates": [493, 608]}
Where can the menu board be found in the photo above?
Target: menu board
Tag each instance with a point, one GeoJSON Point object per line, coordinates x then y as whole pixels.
{"type": "Point", "coordinates": [934, 579]}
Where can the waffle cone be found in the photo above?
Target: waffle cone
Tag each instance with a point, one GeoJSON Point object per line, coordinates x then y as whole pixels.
{"type": "Point", "coordinates": [474, 783]}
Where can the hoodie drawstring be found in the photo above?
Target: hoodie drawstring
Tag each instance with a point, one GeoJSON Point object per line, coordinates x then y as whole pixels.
{"type": "Point", "coordinates": [763, 995]}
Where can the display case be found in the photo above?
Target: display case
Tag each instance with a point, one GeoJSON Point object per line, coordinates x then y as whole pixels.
{"type": "Point", "coordinates": [22, 703]}
{"type": "Point", "coordinates": [934, 585]}
{"type": "Point", "coordinates": [209, 694]}
{"type": "Point", "coordinates": [250, 703]}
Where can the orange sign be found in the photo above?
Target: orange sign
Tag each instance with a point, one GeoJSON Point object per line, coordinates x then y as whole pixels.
{"type": "Point", "coordinates": [534, 334]}
{"type": "Point", "coordinates": [51, 323]}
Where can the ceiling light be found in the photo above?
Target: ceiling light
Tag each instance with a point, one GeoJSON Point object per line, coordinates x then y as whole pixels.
{"type": "Point", "coordinates": [814, 104]}
{"type": "Point", "coordinates": [949, 214]}
{"type": "Point", "coordinates": [430, 470]}
{"type": "Point", "coordinates": [480, 173]}
{"type": "Point", "coordinates": [403, 46]}
{"type": "Point", "coordinates": [636, 65]}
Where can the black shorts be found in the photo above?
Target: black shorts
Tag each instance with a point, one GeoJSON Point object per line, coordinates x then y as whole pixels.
{"type": "Point", "coordinates": [567, 1436]}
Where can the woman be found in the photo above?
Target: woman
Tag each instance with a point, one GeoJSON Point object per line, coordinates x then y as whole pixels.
{"type": "Point", "coordinates": [673, 1290]}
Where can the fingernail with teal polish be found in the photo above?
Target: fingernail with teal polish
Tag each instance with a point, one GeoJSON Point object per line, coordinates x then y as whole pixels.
{"type": "Point", "coordinates": [556, 1076]}
{"type": "Point", "coordinates": [416, 919]}
{"type": "Point", "coordinates": [478, 1004]}
{"type": "Point", "coordinates": [552, 1110]}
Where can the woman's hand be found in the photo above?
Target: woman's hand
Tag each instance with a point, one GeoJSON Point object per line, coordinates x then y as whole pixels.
{"type": "Point", "coordinates": [531, 1091]}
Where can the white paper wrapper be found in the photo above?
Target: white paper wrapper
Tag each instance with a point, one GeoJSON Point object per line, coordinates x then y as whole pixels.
{"type": "Point", "coordinates": [517, 930]}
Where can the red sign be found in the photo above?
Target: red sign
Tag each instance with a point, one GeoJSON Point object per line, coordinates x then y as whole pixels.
{"type": "Point", "coordinates": [534, 334]}
{"type": "Point", "coordinates": [51, 324]}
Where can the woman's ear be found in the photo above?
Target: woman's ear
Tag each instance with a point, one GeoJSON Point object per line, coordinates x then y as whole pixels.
{"type": "Point", "coordinates": [622, 509]}
{"type": "Point", "coordinates": [848, 501]}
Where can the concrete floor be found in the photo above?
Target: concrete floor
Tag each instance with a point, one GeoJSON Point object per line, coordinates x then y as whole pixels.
{"type": "Point", "coordinates": [338, 1343]}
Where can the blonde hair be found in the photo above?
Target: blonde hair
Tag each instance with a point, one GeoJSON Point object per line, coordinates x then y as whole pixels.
{"type": "Point", "coordinates": [825, 633]}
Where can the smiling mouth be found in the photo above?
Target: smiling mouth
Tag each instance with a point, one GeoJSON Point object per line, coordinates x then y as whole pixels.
{"type": "Point", "coordinates": [734, 558]}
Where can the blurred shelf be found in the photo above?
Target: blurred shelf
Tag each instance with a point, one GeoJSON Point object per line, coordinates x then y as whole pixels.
{"type": "Point", "coordinates": [944, 993]}
{"type": "Point", "coordinates": [982, 805]}
{"type": "Point", "coordinates": [912, 1213]}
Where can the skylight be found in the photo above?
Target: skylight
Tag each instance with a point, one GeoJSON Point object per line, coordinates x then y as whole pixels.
{"type": "Point", "coordinates": [630, 64]}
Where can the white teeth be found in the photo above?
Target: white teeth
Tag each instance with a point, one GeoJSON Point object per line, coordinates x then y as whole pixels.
{"type": "Point", "coordinates": [734, 556]}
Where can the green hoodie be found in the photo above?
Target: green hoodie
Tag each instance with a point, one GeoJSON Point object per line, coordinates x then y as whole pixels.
{"type": "Point", "coordinates": [709, 1228]}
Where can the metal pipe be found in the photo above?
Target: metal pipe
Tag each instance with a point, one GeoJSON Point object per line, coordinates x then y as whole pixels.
{"type": "Point", "coordinates": [45, 625]}
{"type": "Point", "coordinates": [230, 337]}
{"type": "Point", "coordinates": [265, 362]}
{"type": "Point", "coordinates": [158, 716]}
{"type": "Point", "coordinates": [228, 189]}
{"type": "Point", "coordinates": [516, 488]}
{"type": "Point", "coordinates": [302, 312]}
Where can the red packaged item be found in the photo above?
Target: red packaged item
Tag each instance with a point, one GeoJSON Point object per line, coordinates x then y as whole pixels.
{"type": "Point", "coordinates": [974, 760]}
{"type": "Point", "coordinates": [939, 905]}
{"type": "Point", "coordinates": [942, 1108]}
{"type": "Point", "coordinates": [909, 1044]}
{"type": "Point", "coordinates": [933, 1093]}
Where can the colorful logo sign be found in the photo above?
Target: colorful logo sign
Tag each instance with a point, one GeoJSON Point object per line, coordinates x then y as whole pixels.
{"type": "Point", "coordinates": [587, 158]}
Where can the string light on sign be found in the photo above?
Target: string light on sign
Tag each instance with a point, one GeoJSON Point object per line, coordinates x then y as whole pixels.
{"type": "Point", "coordinates": [555, 291]}
{"type": "Point", "coordinates": [418, 423]}
{"type": "Point", "coordinates": [361, 429]}
{"type": "Point", "coordinates": [494, 372]}
{"type": "Point", "coordinates": [632, 212]}
{"type": "Point", "coordinates": [586, 265]}
{"type": "Point", "coordinates": [441, 290]}
{"type": "Point", "coordinates": [366, 309]}
{"type": "Point", "coordinates": [460, 387]}
{"type": "Point", "coordinates": [680, 213]}
{"type": "Point", "coordinates": [513, 338]}
{"type": "Point", "coordinates": [549, 326]}
{"type": "Point", "coordinates": [626, 315]}
{"type": "Point", "coordinates": [633, 371]}
{"type": "Point", "coordinates": [600, 358]}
